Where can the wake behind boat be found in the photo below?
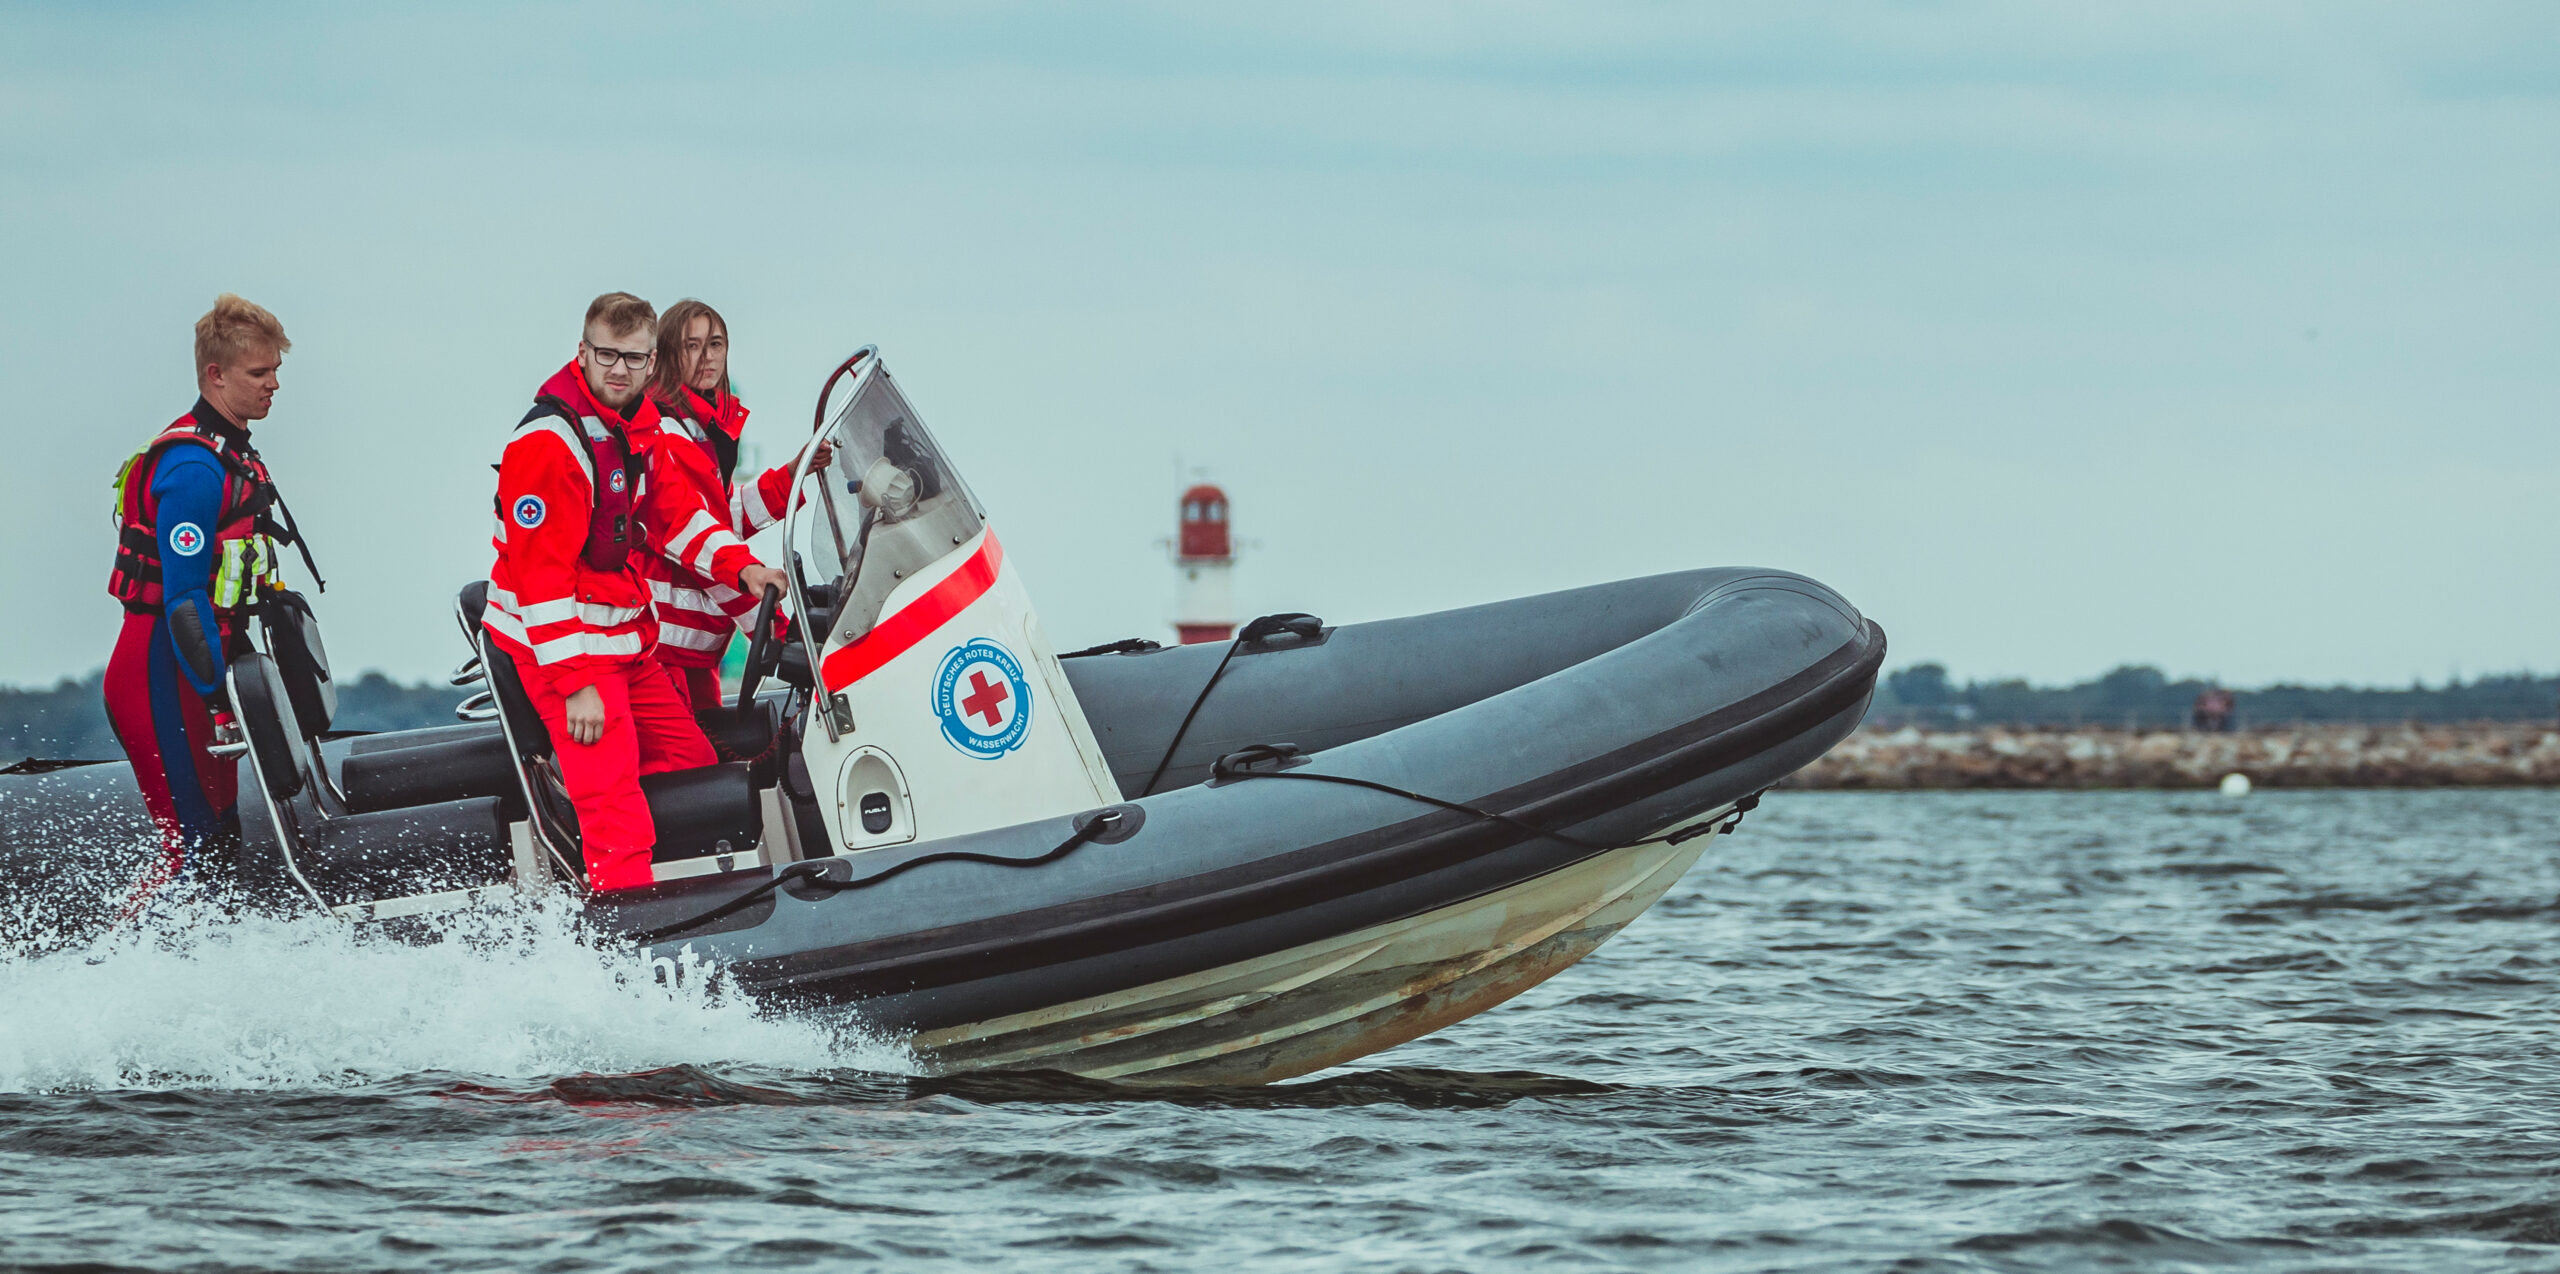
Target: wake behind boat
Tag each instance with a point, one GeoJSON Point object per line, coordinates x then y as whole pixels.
{"type": "Point", "coordinates": [1201, 864]}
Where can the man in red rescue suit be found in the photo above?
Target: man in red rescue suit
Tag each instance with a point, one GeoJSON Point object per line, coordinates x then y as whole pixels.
{"type": "Point", "coordinates": [197, 536]}
{"type": "Point", "coordinates": [568, 602]}
{"type": "Point", "coordinates": [701, 420]}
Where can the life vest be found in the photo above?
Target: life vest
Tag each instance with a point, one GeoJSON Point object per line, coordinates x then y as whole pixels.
{"type": "Point", "coordinates": [713, 423]}
{"type": "Point", "coordinates": [610, 531]}
{"type": "Point", "coordinates": [246, 534]}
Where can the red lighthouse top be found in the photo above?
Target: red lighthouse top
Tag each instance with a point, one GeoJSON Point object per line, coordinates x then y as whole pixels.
{"type": "Point", "coordinates": [1204, 523]}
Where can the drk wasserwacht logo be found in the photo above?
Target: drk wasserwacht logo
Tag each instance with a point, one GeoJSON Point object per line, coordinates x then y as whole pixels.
{"type": "Point", "coordinates": [982, 698]}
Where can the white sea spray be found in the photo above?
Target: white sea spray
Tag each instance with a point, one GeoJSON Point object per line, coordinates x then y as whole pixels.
{"type": "Point", "coordinates": [193, 999]}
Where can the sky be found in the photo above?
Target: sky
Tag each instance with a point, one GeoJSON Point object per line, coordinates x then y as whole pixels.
{"type": "Point", "coordinates": [2214, 336]}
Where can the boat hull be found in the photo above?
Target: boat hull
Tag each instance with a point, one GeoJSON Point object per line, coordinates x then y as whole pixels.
{"type": "Point", "coordinates": [1467, 803]}
{"type": "Point", "coordinates": [1332, 1001]}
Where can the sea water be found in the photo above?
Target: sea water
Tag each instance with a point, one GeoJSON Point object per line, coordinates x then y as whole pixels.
{"type": "Point", "coordinates": [1911, 1031]}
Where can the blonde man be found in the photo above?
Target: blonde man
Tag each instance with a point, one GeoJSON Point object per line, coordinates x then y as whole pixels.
{"type": "Point", "coordinates": [197, 537]}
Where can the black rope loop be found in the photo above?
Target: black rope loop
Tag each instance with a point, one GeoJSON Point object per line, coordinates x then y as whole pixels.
{"type": "Point", "coordinates": [1302, 625]}
{"type": "Point", "coordinates": [1250, 762]}
{"type": "Point", "coordinates": [1124, 646]}
{"type": "Point", "coordinates": [813, 873]}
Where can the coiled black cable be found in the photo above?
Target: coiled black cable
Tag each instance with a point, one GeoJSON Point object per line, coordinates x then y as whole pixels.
{"type": "Point", "coordinates": [813, 873]}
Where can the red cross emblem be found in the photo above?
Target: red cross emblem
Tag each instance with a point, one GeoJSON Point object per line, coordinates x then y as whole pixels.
{"type": "Point", "coordinates": [982, 699]}
{"type": "Point", "coordinates": [985, 698]}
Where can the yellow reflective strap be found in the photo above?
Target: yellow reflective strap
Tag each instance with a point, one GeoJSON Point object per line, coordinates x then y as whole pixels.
{"type": "Point", "coordinates": [226, 578]}
{"type": "Point", "coordinates": [123, 473]}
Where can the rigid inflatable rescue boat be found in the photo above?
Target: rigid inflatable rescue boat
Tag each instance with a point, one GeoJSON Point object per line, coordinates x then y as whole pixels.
{"type": "Point", "coordinates": [1198, 864]}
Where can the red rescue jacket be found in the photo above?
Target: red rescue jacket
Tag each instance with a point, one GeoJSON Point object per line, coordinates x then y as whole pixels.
{"type": "Point", "coordinates": [553, 599]}
{"type": "Point", "coordinates": [699, 448]}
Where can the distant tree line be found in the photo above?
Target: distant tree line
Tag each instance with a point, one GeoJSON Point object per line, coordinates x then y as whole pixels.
{"type": "Point", "coordinates": [2141, 696]}
{"type": "Point", "coordinates": [69, 721]}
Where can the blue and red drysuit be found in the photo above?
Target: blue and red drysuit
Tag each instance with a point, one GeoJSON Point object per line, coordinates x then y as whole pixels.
{"type": "Point", "coordinates": [191, 505]}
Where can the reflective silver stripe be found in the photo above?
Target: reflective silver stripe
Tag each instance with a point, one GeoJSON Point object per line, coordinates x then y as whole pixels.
{"type": "Point", "coordinates": [692, 599]}
{"type": "Point", "coordinates": [719, 538]}
{"type": "Point", "coordinates": [506, 623]}
{"type": "Point", "coordinates": [700, 523]}
{"type": "Point", "coordinates": [561, 609]}
{"type": "Point", "coordinates": [544, 612]}
{"type": "Point", "coordinates": [748, 512]}
{"type": "Point", "coordinates": [686, 638]}
{"type": "Point", "coordinates": [502, 623]}
{"type": "Point", "coordinates": [559, 429]}
{"type": "Point", "coordinates": [575, 644]}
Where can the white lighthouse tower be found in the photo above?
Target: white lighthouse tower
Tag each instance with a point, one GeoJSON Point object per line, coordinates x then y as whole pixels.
{"type": "Point", "coordinates": [1204, 607]}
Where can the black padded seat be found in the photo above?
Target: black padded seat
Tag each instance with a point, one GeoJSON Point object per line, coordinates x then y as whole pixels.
{"type": "Point", "coordinates": [699, 812]}
{"type": "Point", "coordinates": [500, 670]}
{"type": "Point", "coordinates": [525, 723]}
{"type": "Point", "coordinates": [702, 812]}
{"type": "Point", "coordinates": [458, 764]}
{"type": "Point", "coordinates": [743, 740]}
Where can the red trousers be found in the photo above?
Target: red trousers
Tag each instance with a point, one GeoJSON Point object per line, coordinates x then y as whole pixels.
{"type": "Point", "coordinates": [699, 686]}
{"type": "Point", "coordinates": [164, 727]}
{"type": "Point", "coordinates": [647, 729]}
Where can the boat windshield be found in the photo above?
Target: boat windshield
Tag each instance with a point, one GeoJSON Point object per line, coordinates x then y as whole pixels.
{"type": "Point", "coordinates": [886, 505]}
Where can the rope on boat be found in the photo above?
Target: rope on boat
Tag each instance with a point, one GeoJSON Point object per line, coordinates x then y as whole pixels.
{"type": "Point", "coordinates": [1240, 764]}
{"type": "Point", "coordinates": [1306, 627]}
{"type": "Point", "coordinates": [813, 873]}
{"type": "Point", "coordinates": [1237, 765]}
{"type": "Point", "coordinates": [1124, 646]}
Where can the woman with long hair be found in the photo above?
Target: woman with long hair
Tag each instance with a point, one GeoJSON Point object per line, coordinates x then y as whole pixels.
{"type": "Point", "coordinates": [696, 616]}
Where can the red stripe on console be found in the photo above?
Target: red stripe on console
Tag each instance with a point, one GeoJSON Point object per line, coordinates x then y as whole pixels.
{"type": "Point", "coordinates": [899, 633]}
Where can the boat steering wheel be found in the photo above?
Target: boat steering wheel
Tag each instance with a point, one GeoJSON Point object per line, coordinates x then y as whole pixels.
{"type": "Point", "coordinates": [764, 651]}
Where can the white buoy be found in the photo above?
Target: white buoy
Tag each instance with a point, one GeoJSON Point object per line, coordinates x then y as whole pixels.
{"type": "Point", "coordinates": [2235, 784]}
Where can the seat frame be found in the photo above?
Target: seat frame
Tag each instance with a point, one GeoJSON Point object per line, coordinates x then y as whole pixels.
{"type": "Point", "coordinates": [554, 848]}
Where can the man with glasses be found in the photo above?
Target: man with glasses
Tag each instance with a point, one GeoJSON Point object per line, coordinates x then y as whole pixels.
{"type": "Point", "coordinates": [568, 601]}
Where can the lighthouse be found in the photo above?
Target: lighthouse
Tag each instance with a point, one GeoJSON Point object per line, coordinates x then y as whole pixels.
{"type": "Point", "coordinates": [1204, 607]}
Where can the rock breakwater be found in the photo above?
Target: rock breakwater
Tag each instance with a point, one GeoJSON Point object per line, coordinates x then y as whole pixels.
{"type": "Point", "coordinates": [2487, 755]}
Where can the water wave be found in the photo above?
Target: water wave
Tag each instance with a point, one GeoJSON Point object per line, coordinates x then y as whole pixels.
{"type": "Point", "coordinates": [196, 1000]}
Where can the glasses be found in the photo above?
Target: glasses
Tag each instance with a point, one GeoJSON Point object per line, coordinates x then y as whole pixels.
{"type": "Point", "coordinates": [631, 358]}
